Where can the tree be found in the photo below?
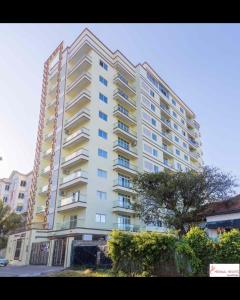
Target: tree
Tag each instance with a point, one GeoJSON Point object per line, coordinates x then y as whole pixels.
{"type": "Point", "coordinates": [179, 198]}
{"type": "Point", "coordinates": [9, 221]}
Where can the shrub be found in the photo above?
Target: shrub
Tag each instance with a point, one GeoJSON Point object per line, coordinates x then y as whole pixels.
{"type": "Point", "coordinates": [228, 247]}
{"type": "Point", "coordinates": [195, 252]}
{"type": "Point", "coordinates": [145, 253]}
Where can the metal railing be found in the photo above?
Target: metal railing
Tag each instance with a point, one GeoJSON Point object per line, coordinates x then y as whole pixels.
{"type": "Point", "coordinates": [75, 66]}
{"type": "Point", "coordinates": [166, 163]}
{"type": "Point", "coordinates": [125, 129]}
{"type": "Point", "coordinates": [73, 135]}
{"type": "Point", "coordinates": [193, 143]}
{"type": "Point", "coordinates": [70, 224]}
{"type": "Point", "coordinates": [126, 227]}
{"type": "Point", "coordinates": [81, 76]}
{"type": "Point", "coordinates": [124, 111]}
{"type": "Point", "coordinates": [123, 183]}
{"type": "Point", "coordinates": [168, 123]}
{"type": "Point", "coordinates": [125, 146]}
{"type": "Point", "coordinates": [69, 200]}
{"type": "Point", "coordinates": [75, 154]}
{"type": "Point", "coordinates": [124, 164]}
{"type": "Point", "coordinates": [73, 176]}
{"type": "Point", "coordinates": [122, 204]}
{"type": "Point", "coordinates": [169, 136]}
{"type": "Point", "coordinates": [125, 96]}
{"type": "Point", "coordinates": [81, 112]}
{"type": "Point", "coordinates": [70, 102]}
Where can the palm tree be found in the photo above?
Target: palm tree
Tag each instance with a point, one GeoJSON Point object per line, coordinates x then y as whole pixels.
{"type": "Point", "coordinates": [9, 221]}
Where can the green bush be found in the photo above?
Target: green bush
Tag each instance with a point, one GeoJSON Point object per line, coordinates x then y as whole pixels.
{"type": "Point", "coordinates": [228, 247]}
{"type": "Point", "coordinates": [145, 253]}
{"type": "Point", "coordinates": [195, 252]}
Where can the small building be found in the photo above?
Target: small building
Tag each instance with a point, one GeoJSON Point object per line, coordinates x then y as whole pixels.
{"type": "Point", "coordinates": [223, 216]}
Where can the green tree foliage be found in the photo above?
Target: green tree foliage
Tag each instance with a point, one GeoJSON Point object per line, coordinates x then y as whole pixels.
{"type": "Point", "coordinates": [228, 247]}
{"type": "Point", "coordinates": [194, 252]}
{"type": "Point", "coordinates": [179, 198]}
{"type": "Point", "coordinates": [8, 221]}
{"type": "Point", "coordinates": [145, 253]}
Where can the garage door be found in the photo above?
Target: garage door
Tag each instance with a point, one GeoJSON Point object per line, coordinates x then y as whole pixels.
{"type": "Point", "coordinates": [39, 253]}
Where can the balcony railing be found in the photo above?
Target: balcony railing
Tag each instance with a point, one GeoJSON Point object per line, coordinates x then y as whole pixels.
{"type": "Point", "coordinates": [120, 109]}
{"type": "Point", "coordinates": [78, 79]}
{"type": "Point", "coordinates": [125, 129]}
{"type": "Point", "coordinates": [126, 227]}
{"type": "Point", "coordinates": [82, 130]}
{"type": "Point", "coordinates": [168, 123]}
{"type": "Point", "coordinates": [122, 204]}
{"type": "Point", "coordinates": [165, 108]}
{"type": "Point", "coordinates": [168, 164]}
{"type": "Point", "coordinates": [40, 209]}
{"type": "Point", "coordinates": [123, 183]}
{"type": "Point", "coordinates": [124, 164]}
{"type": "Point", "coordinates": [84, 94]}
{"type": "Point", "coordinates": [74, 67]}
{"type": "Point", "coordinates": [167, 149]}
{"type": "Point", "coordinates": [75, 154]}
{"type": "Point", "coordinates": [169, 136]}
{"type": "Point", "coordinates": [71, 199]}
{"type": "Point", "coordinates": [124, 81]}
{"type": "Point", "coordinates": [125, 146]}
{"type": "Point", "coordinates": [81, 112]}
{"type": "Point", "coordinates": [125, 96]}
{"type": "Point", "coordinates": [195, 154]}
{"type": "Point", "coordinates": [195, 144]}
{"type": "Point", "coordinates": [74, 175]}
{"type": "Point", "coordinates": [70, 224]}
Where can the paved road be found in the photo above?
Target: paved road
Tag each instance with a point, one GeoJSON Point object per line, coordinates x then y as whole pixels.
{"type": "Point", "coordinates": [26, 271]}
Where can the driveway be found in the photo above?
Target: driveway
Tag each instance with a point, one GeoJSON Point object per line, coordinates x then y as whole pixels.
{"type": "Point", "coordinates": [27, 271]}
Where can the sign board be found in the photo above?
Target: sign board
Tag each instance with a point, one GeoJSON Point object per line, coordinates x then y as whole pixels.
{"type": "Point", "coordinates": [224, 270]}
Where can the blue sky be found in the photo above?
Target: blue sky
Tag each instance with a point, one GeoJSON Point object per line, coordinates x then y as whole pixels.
{"type": "Point", "coordinates": [199, 61]}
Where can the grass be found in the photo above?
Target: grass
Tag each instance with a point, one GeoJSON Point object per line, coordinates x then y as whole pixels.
{"type": "Point", "coordinates": [82, 273]}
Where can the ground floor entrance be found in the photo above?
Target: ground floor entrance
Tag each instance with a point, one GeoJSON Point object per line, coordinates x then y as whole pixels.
{"type": "Point", "coordinates": [39, 253]}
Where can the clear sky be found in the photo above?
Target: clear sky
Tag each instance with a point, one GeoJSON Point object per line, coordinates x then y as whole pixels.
{"type": "Point", "coordinates": [201, 62]}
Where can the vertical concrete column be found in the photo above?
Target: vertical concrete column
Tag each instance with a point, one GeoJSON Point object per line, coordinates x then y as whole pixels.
{"type": "Point", "coordinates": [67, 260]}
{"type": "Point", "coordinates": [50, 253]}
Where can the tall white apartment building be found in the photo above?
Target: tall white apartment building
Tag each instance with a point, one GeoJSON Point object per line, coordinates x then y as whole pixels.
{"type": "Point", "coordinates": [102, 119]}
{"type": "Point", "coordinates": [15, 191]}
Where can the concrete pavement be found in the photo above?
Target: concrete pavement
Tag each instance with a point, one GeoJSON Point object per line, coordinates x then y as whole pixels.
{"type": "Point", "coordinates": [27, 271]}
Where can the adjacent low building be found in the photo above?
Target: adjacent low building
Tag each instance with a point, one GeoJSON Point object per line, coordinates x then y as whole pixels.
{"type": "Point", "coordinates": [102, 119]}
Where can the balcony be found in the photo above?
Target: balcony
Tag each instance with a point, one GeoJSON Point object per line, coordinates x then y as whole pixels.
{"type": "Point", "coordinates": [78, 102]}
{"type": "Point", "coordinates": [165, 109]}
{"type": "Point", "coordinates": [123, 207]}
{"type": "Point", "coordinates": [166, 122]}
{"type": "Point", "coordinates": [79, 118]}
{"type": "Point", "coordinates": [124, 115]}
{"type": "Point", "coordinates": [79, 177]}
{"type": "Point", "coordinates": [123, 83]}
{"type": "Point", "coordinates": [120, 165]}
{"type": "Point", "coordinates": [70, 224]}
{"type": "Point", "coordinates": [50, 120]}
{"type": "Point", "coordinates": [77, 137]}
{"type": "Point", "coordinates": [126, 186]}
{"type": "Point", "coordinates": [51, 104]}
{"type": "Point", "coordinates": [40, 209]}
{"type": "Point", "coordinates": [74, 88]}
{"type": "Point", "coordinates": [168, 164]}
{"type": "Point", "coordinates": [193, 143]}
{"type": "Point", "coordinates": [166, 135]}
{"type": "Point", "coordinates": [195, 155]}
{"type": "Point", "coordinates": [191, 122]}
{"type": "Point", "coordinates": [124, 149]}
{"type": "Point", "coordinates": [123, 98]}
{"type": "Point", "coordinates": [125, 132]}
{"type": "Point", "coordinates": [48, 136]}
{"type": "Point", "coordinates": [126, 227]}
{"type": "Point", "coordinates": [75, 158]}
{"type": "Point", "coordinates": [45, 171]}
{"type": "Point", "coordinates": [47, 153]}
{"type": "Point", "coordinates": [167, 149]}
{"type": "Point", "coordinates": [43, 190]}
{"type": "Point", "coordinates": [70, 203]}
{"type": "Point", "coordinates": [78, 68]}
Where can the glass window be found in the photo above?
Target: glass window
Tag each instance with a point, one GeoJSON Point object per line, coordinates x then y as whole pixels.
{"type": "Point", "coordinates": [100, 218]}
{"type": "Point", "coordinates": [102, 153]}
{"type": "Point", "coordinates": [102, 134]}
{"type": "Point", "coordinates": [23, 183]}
{"type": "Point", "coordinates": [21, 195]}
{"type": "Point", "coordinates": [102, 173]}
{"type": "Point", "coordinates": [155, 153]}
{"type": "Point", "coordinates": [177, 152]}
{"type": "Point", "coordinates": [7, 187]}
{"type": "Point", "coordinates": [175, 126]}
{"type": "Point", "coordinates": [101, 195]}
{"type": "Point", "coordinates": [153, 107]}
{"type": "Point", "coordinates": [174, 114]}
{"type": "Point", "coordinates": [186, 157]}
{"type": "Point", "coordinates": [154, 136]}
{"type": "Point", "coordinates": [103, 65]}
{"type": "Point", "coordinates": [176, 139]}
{"type": "Point", "coordinates": [103, 98]}
{"type": "Point", "coordinates": [184, 145]}
{"type": "Point", "coordinates": [179, 167]}
{"type": "Point", "coordinates": [154, 122]}
{"type": "Point", "coordinates": [183, 122]}
{"type": "Point", "coordinates": [5, 199]}
{"type": "Point", "coordinates": [184, 133]}
{"type": "Point", "coordinates": [181, 110]}
{"type": "Point", "coordinates": [156, 169]}
{"type": "Point", "coordinates": [174, 102]}
{"type": "Point", "coordinates": [103, 116]}
{"type": "Point", "coordinates": [152, 93]}
{"type": "Point", "coordinates": [103, 80]}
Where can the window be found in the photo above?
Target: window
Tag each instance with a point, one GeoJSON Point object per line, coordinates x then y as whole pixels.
{"type": "Point", "coordinates": [18, 249]}
{"type": "Point", "coordinates": [124, 201]}
{"type": "Point", "coordinates": [5, 199]}
{"type": "Point", "coordinates": [177, 152]}
{"type": "Point", "coordinates": [154, 136]}
{"type": "Point", "coordinates": [103, 65]}
{"type": "Point", "coordinates": [103, 116]}
{"type": "Point", "coordinates": [123, 126]}
{"type": "Point", "coordinates": [155, 153]}
{"type": "Point", "coordinates": [102, 153]}
{"type": "Point", "coordinates": [101, 195]}
{"type": "Point", "coordinates": [102, 134]}
{"type": "Point", "coordinates": [184, 145]}
{"type": "Point", "coordinates": [152, 93]}
{"type": "Point", "coordinates": [175, 126]}
{"type": "Point", "coordinates": [122, 143]}
{"type": "Point", "coordinates": [153, 107]}
{"type": "Point", "coordinates": [103, 98]}
{"type": "Point", "coordinates": [103, 80]}
{"type": "Point", "coordinates": [181, 110]}
{"type": "Point", "coordinates": [176, 139]}
{"type": "Point", "coordinates": [156, 169]}
{"type": "Point", "coordinates": [23, 183]}
{"type": "Point", "coordinates": [154, 122]}
{"type": "Point", "coordinates": [147, 132]}
{"type": "Point", "coordinates": [148, 166]}
{"type": "Point", "coordinates": [184, 133]}
{"type": "Point", "coordinates": [73, 221]}
{"type": "Point", "coordinates": [174, 102]}
{"type": "Point", "coordinates": [21, 196]}
{"type": "Point", "coordinates": [174, 114]}
{"type": "Point", "coordinates": [183, 122]}
{"type": "Point", "coordinates": [19, 208]}
{"type": "Point", "coordinates": [101, 173]}
{"type": "Point", "coordinates": [100, 218]}
{"type": "Point", "coordinates": [179, 167]}
{"type": "Point", "coordinates": [147, 148]}
{"type": "Point", "coordinates": [7, 187]}
{"type": "Point", "coordinates": [186, 157]}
